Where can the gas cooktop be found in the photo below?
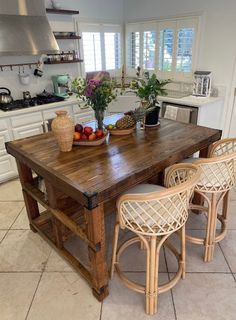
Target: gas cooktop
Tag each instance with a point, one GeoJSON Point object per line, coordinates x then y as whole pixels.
{"type": "Point", "coordinates": [31, 102]}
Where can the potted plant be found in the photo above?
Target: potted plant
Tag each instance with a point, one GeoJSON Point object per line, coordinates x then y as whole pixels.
{"type": "Point", "coordinates": [97, 92]}
{"type": "Point", "coordinates": [148, 89]}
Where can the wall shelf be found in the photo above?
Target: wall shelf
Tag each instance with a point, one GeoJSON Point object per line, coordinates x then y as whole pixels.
{"type": "Point", "coordinates": [67, 37]}
{"type": "Point", "coordinates": [67, 61]}
{"type": "Point", "coordinates": [61, 11]}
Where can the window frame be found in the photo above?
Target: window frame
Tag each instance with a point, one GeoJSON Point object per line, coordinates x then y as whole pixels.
{"type": "Point", "coordinates": [102, 28]}
{"type": "Point", "coordinates": [175, 24]}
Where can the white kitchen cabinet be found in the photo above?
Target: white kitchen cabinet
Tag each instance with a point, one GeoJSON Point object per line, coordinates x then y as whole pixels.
{"type": "Point", "coordinates": [124, 103]}
{"type": "Point", "coordinates": [4, 137]}
{"type": "Point", "coordinates": [8, 168]}
{"type": "Point", "coordinates": [83, 117]}
{"type": "Point", "coordinates": [51, 113]}
{"type": "Point", "coordinates": [28, 130]}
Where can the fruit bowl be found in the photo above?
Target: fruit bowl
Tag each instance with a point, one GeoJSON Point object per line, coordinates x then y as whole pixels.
{"type": "Point", "coordinates": [92, 143]}
{"type": "Point", "coordinates": [121, 132]}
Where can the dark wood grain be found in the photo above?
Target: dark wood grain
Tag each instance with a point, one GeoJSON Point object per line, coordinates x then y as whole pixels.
{"type": "Point", "coordinates": [83, 182]}
{"type": "Point", "coordinates": [95, 174]}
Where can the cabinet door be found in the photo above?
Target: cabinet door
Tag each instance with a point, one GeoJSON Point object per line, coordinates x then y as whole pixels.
{"type": "Point", "coordinates": [7, 168]}
{"type": "Point", "coordinates": [28, 131]}
{"type": "Point", "coordinates": [4, 137]}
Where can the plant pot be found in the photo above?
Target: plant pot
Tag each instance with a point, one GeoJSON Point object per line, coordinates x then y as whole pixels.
{"type": "Point", "coordinates": [152, 118]}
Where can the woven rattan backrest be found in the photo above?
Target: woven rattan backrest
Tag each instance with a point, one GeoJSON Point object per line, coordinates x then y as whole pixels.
{"type": "Point", "coordinates": [158, 213]}
{"type": "Point", "coordinates": [217, 174]}
{"type": "Point", "coordinates": [222, 147]}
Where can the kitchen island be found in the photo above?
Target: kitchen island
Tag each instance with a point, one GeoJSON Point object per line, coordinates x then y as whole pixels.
{"type": "Point", "coordinates": [82, 184]}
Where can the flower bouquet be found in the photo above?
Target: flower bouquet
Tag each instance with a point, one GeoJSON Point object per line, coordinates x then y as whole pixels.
{"type": "Point", "coordinates": [97, 92]}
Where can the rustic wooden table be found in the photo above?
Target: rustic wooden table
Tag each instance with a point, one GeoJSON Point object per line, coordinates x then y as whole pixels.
{"type": "Point", "coordinates": [80, 184]}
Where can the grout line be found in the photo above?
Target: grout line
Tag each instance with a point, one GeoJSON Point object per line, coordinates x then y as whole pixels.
{"type": "Point", "coordinates": [20, 272]}
{"type": "Point", "coordinates": [100, 317]}
{"type": "Point", "coordinates": [15, 201]}
{"type": "Point", "coordinates": [27, 314]}
{"type": "Point", "coordinates": [16, 217]}
{"type": "Point", "coordinates": [32, 300]}
{"type": "Point", "coordinates": [171, 292]}
{"type": "Point", "coordinates": [227, 262]}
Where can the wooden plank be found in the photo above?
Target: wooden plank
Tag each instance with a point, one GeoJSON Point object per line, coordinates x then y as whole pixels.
{"type": "Point", "coordinates": [99, 173]}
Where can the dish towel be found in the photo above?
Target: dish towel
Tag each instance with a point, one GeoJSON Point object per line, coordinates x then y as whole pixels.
{"type": "Point", "coordinates": [178, 114]}
{"type": "Point", "coordinates": [183, 115]}
{"type": "Point", "coordinates": [171, 112]}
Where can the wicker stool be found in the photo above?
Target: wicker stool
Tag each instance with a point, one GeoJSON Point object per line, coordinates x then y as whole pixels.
{"type": "Point", "coordinates": [153, 213]}
{"type": "Point", "coordinates": [217, 178]}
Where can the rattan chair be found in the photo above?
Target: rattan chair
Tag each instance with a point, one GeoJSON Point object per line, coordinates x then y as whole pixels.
{"type": "Point", "coordinates": [217, 178]}
{"type": "Point", "coordinates": [153, 213]}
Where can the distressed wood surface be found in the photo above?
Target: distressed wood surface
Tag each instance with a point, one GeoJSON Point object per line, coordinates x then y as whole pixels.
{"type": "Point", "coordinates": [94, 175]}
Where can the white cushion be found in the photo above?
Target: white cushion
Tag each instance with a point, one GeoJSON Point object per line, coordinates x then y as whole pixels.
{"type": "Point", "coordinates": [144, 188]}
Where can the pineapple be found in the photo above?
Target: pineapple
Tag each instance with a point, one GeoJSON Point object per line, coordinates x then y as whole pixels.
{"type": "Point", "coordinates": [125, 122]}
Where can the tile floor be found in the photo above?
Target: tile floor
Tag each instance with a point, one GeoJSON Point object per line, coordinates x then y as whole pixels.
{"type": "Point", "coordinates": [36, 284]}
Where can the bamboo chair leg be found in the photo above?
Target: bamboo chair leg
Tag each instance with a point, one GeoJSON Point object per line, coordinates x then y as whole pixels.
{"type": "Point", "coordinates": [183, 251]}
{"type": "Point", "coordinates": [151, 294]}
{"type": "Point", "coordinates": [211, 230]}
{"type": "Point", "coordinates": [225, 208]}
{"type": "Point", "coordinates": [142, 245]}
{"type": "Point", "coordinates": [114, 248]}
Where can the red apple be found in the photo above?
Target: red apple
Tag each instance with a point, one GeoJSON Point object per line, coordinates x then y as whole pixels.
{"type": "Point", "coordinates": [79, 128]}
{"type": "Point", "coordinates": [92, 137]}
{"type": "Point", "coordinates": [84, 137]}
{"type": "Point", "coordinates": [88, 131]}
{"type": "Point", "coordinates": [99, 133]}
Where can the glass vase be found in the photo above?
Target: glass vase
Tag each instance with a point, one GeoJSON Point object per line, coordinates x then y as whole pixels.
{"type": "Point", "coordinates": [99, 116]}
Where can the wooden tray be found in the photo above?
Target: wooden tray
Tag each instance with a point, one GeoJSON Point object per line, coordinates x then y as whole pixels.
{"type": "Point", "coordinates": [121, 132]}
{"type": "Point", "coordinates": [93, 143]}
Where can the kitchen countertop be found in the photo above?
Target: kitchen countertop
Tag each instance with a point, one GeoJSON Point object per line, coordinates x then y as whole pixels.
{"type": "Point", "coordinates": [191, 100]}
{"type": "Point", "coordinates": [69, 101]}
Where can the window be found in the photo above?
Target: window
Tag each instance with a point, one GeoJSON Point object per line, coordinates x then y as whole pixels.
{"type": "Point", "coordinates": [166, 44]}
{"type": "Point", "coordinates": [92, 51]}
{"type": "Point", "coordinates": [101, 46]}
{"type": "Point", "coordinates": [166, 47]}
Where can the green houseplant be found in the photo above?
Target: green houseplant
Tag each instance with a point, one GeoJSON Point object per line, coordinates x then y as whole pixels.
{"type": "Point", "coordinates": [148, 89]}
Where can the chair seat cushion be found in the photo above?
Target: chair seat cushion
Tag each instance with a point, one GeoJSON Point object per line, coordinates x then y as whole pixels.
{"type": "Point", "coordinates": [144, 188]}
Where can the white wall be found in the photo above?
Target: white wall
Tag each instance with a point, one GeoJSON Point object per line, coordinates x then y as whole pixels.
{"type": "Point", "coordinates": [90, 10]}
{"type": "Point", "coordinates": [217, 48]}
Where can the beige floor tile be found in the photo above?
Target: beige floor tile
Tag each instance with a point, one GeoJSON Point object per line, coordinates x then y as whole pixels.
{"type": "Point", "coordinates": [23, 250]}
{"type": "Point", "coordinates": [134, 259]}
{"type": "Point", "coordinates": [194, 257]}
{"type": "Point", "coordinates": [228, 246]}
{"type": "Point", "coordinates": [196, 222]}
{"type": "Point", "coordinates": [22, 221]}
{"type": "Point", "coordinates": [124, 303]}
{"type": "Point", "coordinates": [206, 297]}
{"type": "Point", "coordinates": [17, 290]}
{"type": "Point", "coordinates": [57, 263]}
{"type": "Point", "coordinates": [64, 296]}
{"type": "Point", "coordinates": [11, 191]}
{"type": "Point", "coordinates": [8, 213]}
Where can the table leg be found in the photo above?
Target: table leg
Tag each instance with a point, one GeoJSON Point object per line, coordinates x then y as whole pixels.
{"type": "Point", "coordinates": [32, 209]}
{"type": "Point", "coordinates": [97, 257]}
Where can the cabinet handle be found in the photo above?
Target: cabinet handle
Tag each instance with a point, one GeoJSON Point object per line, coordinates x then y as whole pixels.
{"type": "Point", "coordinates": [46, 126]}
{"type": "Point", "coordinates": [43, 127]}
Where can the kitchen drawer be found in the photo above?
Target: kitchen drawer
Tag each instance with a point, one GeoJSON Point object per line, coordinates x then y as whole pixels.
{"type": "Point", "coordinates": [84, 117]}
{"type": "Point", "coordinates": [24, 119]}
{"type": "Point", "coordinates": [8, 168]}
{"type": "Point", "coordinates": [28, 131]}
{"type": "Point", "coordinates": [4, 137]}
{"type": "Point", "coordinates": [50, 113]}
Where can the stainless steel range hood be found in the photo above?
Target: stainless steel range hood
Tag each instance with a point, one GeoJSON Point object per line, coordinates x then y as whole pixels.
{"type": "Point", "coordinates": [24, 28]}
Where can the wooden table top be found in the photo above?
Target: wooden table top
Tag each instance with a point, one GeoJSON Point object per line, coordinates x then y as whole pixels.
{"type": "Point", "coordinates": [96, 174]}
